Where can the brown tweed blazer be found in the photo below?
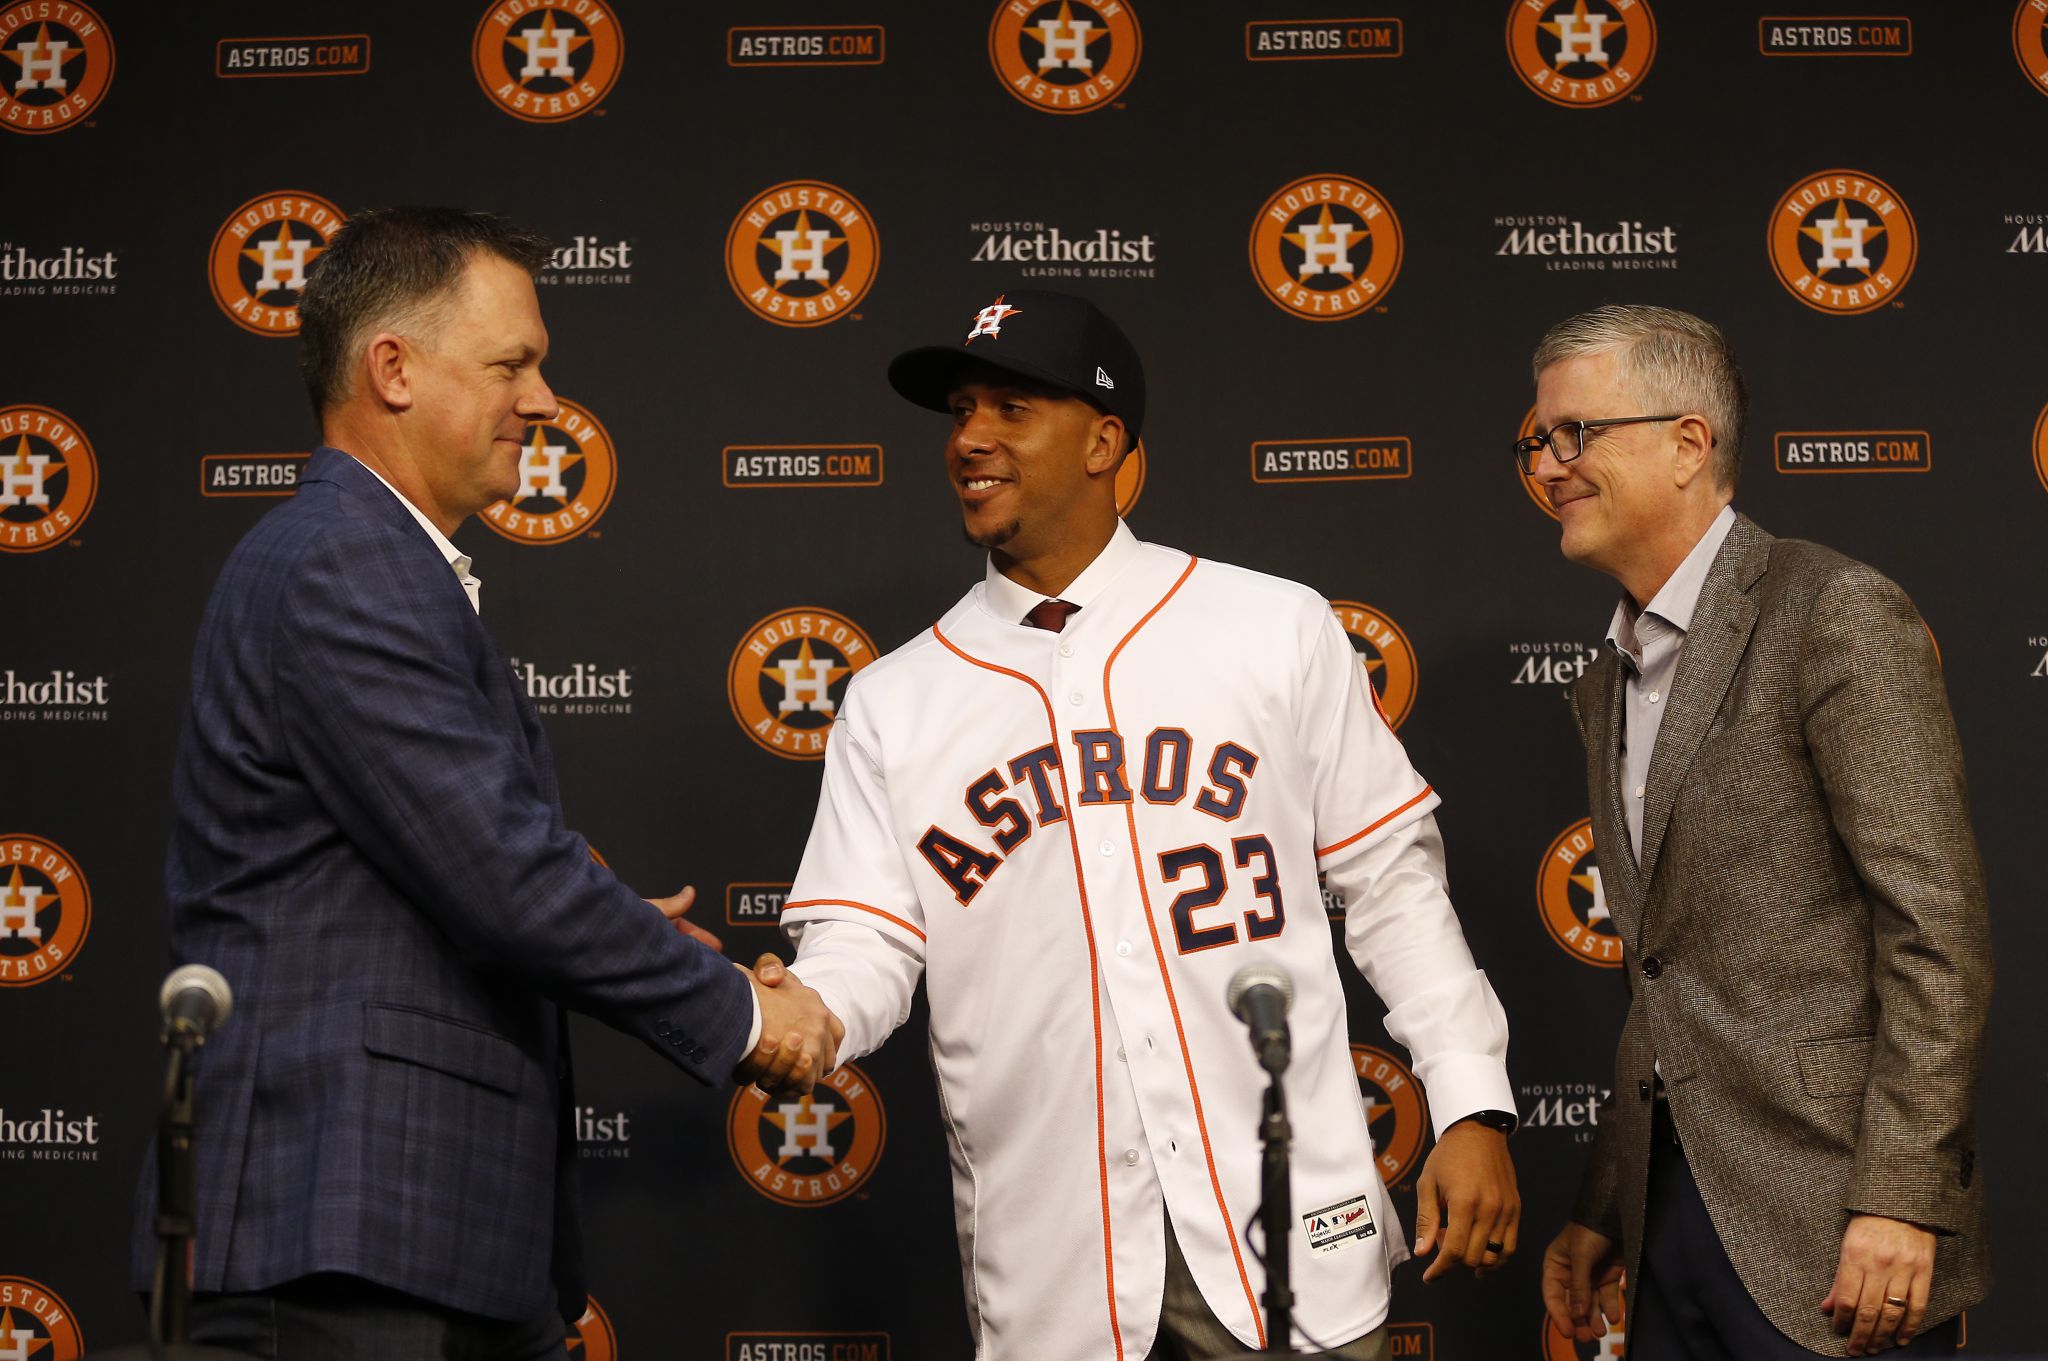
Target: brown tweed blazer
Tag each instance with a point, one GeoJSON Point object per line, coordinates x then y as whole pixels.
{"type": "Point", "coordinates": [1805, 940]}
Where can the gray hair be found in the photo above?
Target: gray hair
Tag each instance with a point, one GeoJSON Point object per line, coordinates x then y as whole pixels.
{"type": "Point", "coordinates": [1668, 361]}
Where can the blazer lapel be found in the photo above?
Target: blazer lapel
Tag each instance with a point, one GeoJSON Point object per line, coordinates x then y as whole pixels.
{"type": "Point", "coordinates": [1714, 646]}
{"type": "Point", "coordinates": [1610, 820]}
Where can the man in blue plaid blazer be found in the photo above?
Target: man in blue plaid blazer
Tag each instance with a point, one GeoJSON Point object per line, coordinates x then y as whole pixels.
{"type": "Point", "coordinates": [369, 846]}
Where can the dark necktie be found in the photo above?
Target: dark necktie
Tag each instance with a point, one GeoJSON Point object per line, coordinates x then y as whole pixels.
{"type": "Point", "coordinates": [1051, 615]}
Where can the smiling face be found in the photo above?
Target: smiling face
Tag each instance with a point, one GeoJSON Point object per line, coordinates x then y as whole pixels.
{"type": "Point", "coordinates": [1620, 496]}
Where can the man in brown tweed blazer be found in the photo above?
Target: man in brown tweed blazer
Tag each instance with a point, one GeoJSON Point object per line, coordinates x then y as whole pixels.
{"type": "Point", "coordinates": [1787, 1163]}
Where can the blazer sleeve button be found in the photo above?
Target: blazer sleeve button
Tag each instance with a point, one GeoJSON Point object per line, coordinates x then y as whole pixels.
{"type": "Point", "coordinates": [1643, 1090]}
{"type": "Point", "coordinates": [1652, 966]}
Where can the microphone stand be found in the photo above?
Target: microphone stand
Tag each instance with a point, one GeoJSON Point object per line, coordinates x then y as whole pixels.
{"type": "Point", "coordinates": [1276, 1216]}
{"type": "Point", "coordinates": [170, 1295]}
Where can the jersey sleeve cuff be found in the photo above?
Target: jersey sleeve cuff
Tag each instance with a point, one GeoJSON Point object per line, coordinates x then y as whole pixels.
{"type": "Point", "coordinates": [1459, 1085]}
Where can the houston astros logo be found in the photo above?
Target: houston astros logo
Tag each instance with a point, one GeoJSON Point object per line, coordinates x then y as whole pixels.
{"type": "Point", "coordinates": [1395, 1113]}
{"type": "Point", "coordinates": [1130, 479]}
{"type": "Point", "coordinates": [1065, 56]}
{"type": "Point", "coordinates": [2040, 448]}
{"type": "Point", "coordinates": [592, 1338]}
{"type": "Point", "coordinates": [45, 910]}
{"type": "Point", "coordinates": [48, 478]}
{"type": "Point", "coordinates": [989, 320]}
{"type": "Point", "coordinates": [789, 674]}
{"type": "Point", "coordinates": [35, 1323]}
{"type": "Point", "coordinates": [2030, 41]}
{"type": "Point", "coordinates": [1326, 247]}
{"type": "Point", "coordinates": [1530, 484]}
{"type": "Point", "coordinates": [1843, 242]}
{"type": "Point", "coordinates": [802, 253]}
{"type": "Point", "coordinates": [1560, 1347]}
{"type": "Point", "coordinates": [813, 1150]}
{"type": "Point", "coordinates": [1581, 53]}
{"type": "Point", "coordinates": [1572, 900]}
{"type": "Point", "coordinates": [547, 62]}
{"type": "Point", "coordinates": [261, 254]}
{"type": "Point", "coordinates": [567, 474]}
{"type": "Point", "coordinates": [1387, 655]}
{"type": "Point", "coordinates": [59, 63]}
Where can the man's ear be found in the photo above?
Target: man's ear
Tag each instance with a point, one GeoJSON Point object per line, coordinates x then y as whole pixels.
{"type": "Point", "coordinates": [1693, 455]}
{"type": "Point", "coordinates": [385, 365]}
{"type": "Point", "coordinates": [1107, 450]}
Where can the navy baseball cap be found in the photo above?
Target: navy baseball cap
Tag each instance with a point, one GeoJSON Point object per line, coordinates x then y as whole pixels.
{"type": "Point", "coordinates": [1052, 338]}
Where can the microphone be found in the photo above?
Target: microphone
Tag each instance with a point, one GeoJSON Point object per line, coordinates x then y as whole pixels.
{"type": "Point", "coordinates": [1261, 995]}
{"type": "Point", "coordinates": [195, 1000]}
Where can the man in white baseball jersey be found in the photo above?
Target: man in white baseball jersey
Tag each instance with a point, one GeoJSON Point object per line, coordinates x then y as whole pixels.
{"type": "Point", "coordinates": [1097, 787]}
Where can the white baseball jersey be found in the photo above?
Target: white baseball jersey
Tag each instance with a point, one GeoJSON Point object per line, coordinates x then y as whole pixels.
{"type": "Point", "coordinates": [1078, 838]}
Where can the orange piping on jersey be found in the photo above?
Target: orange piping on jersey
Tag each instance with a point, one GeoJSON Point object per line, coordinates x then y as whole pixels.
{"type": "Point", "coordinates": [1374, 827]}
{"type": "Point", "coordinates": [848, 902]}
{"type": "Point", "coordinates": [1094, 978]}
{"type": "Point", "coordinates": [1159, 953]}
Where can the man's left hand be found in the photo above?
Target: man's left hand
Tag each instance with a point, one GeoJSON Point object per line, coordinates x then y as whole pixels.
{"type": "Point", "coordinates": [1466, 1206]}
{"type": "Point", "coordinates": [1882, 1260]}
{"type": "Point", "coordinates": [674, 907]}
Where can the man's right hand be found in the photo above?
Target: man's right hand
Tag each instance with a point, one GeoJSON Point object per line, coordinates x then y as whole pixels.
{"type": "Point", "coordinates": [1582, 1268]}
{"type": "Point", "coordinates": [799, 1035]}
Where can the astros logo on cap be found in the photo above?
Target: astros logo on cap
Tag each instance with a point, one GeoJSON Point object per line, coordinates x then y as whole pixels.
{"type": "Point", "coordinates": [1396, 1114]}
{"type": "Point", "coordinates": [45, 910]}
{"type": "Point", "coordinates": [1326, 247]}
{"type": "Point", "coordinates": [789, 674]}
{"type": "Point", "coordinates": [567, 475]}
{"type": "Point", "coordinates": [1387, 655]}
{"type": "Point", "coordinates": [802, 253]}
{"type": "Point", "coordinates": [1842, 241]}
{"type": "Point", "coordinates": [1572, 901]}
{"type": "Point", "coordinates": [592, 1338]}
{"type": "Point", "coordinates": [48, 478]}
{"type": "Point", "coordinates": [2030, 41]}
{"type": "Point", "coordinates": [1559, 1346]}
{"type": "Point", "coordinates": [2041, 448]}
{"type": "Point", "coordinates": [547, 63]}
{"type": "Point", "coordinates": [58, 63]}
{"type": "Point", "coordinates": [989, 320]}
{"type": "Point", "coordinates": [261, 254]}
{"type": "Point", "coordinates": [813, 1150]}
{"type": "Point", "coordinates": [35, 1323]}
{"type": "Point", "coordinates": [1530, 484]}
{"type": "Point", "coordinates": [1065, 56]}
{"type": "Point", "coordinates": [1581, 53]}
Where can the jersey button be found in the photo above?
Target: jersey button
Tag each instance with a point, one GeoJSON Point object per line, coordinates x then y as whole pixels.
{"type": "Point", "coordinates": [1066, 649]}
{"type": "Point", "coordinates": [1130, 1157]}
{"type": "Point", "coordinates": [1109, 848]}
{"type": "Point", "coordinates": [1123, 949]}
{"type": "Point", "coordinates": [1076, 697]}
{"type": "Point", "coordinates": [1120, 1055]}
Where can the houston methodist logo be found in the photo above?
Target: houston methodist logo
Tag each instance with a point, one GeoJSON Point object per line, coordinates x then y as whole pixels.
{"type": "Point", "coordinates": [1572, 901]}
{"type": "Point", "coordinates": [48, 478]}
{"type": "Point", "coordinates": [547, 63]}
{"type": "Point", "coordinates": [802, 253]}
{"type": "Point", "coordinates": [45, 910]}
{"type": "Point", "coordinates": [813, 1150]}
{"type": "Point", "coordinates": [1065, 56]}
{"type": "Point", "coordinates": [2030, 41]}
{"type": "Point", "coordinates": [35, 1323]}
{"type": "Point", "coordinates": [1395, 1113]}
{"type": "Point", "coordinates": [568, 471]}
{"type": "Point", "coordinates": [789, 674]}
{"type": "Point", "coordinates": [1326, 247]}
{"type": "Point", "coordinates": [1581, 53]}
{"type": "Point", "coordinates": [260, 256]}
{"type": "Point", "coordinates": [592, 1338]}
{"type": "Point", "coordinates": [59, 63]}
{"type": "Point", "coordinates": [1387, 655]}
{"type": "Point", "coordinates": [1843, 241]}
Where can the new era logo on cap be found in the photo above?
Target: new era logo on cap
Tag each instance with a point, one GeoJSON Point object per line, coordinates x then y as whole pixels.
{"type": "Point", "coordinates": [1102, 379]}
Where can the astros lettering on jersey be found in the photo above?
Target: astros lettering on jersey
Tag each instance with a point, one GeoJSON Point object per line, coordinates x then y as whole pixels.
{"type": "Point", "coordinates": [1077, 838]}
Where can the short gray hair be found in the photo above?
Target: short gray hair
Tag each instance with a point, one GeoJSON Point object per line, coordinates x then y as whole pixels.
{"type": "Point", "coordinates": [1669, 361]}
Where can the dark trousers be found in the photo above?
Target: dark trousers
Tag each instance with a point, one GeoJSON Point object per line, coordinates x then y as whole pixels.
{"type": "Point", "coordinates": [341, 1318]}
{"type": "Point", "coordinates": [1690, 1305]}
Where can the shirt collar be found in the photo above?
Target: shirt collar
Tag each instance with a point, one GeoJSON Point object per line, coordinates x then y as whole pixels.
{"type": "Point", "coordinates": [1010, 602]}
{"type": "Point", "coordinates": [1677, 597]}
{"type": "Point", "coordinates": [454, 556]}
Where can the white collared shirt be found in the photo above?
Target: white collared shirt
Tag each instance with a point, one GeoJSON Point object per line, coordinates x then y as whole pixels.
{"type": "Point", "coordinates": [1007, 600]}
{"type": "Point", "coordinates": [457, 559]}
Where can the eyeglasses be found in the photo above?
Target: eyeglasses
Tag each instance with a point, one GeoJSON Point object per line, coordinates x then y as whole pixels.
{"type": "Point", "coordinates": [1566, 442]}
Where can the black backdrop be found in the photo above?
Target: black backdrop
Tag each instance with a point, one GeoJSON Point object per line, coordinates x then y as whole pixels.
{"type": "Point", "coordinates": [1905, 433]}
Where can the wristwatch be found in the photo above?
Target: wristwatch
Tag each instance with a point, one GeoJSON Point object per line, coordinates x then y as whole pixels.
{"type": "Point", "coordinates": [1504, 1121]}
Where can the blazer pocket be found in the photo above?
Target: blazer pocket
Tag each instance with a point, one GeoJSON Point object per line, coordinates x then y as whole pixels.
{"type": "Point", "coordinates": [1835, 1067]}
{"type": "Point", "coordinates": [444, 1045]}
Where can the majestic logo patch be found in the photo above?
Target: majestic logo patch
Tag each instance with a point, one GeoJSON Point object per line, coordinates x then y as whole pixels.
{"type": "Point", "coordinates": [1396, 1115]}
{"type": "Point", "coordinates": [1321, 39]}
{"type": "Point", "coordinates": [592, 1339]}
{"type": "Point", "coordinates": [789, 674]}
{"type": "Point", "coordinates": [1387, 655]}
{"type": "Point", "coordinates": [1326, 248]}
{"type": "Point", "coordinates": [35, 1323]}
{"type": "Point", "coordinates": [567, 475]}
{"type": "Point", "coordinates": [45, 910]}
{"type": "Point", "coordinates": [802, 253]}
{"type": "Point", "coordinates": [56, 62]}
{"type": "Point", "coordinates": [1065, 56]}
{"type": "Point", "coordinates": [1843, 242]}
{"type": "Point", "coordinates": [547, 63]}
{"type": "Point", "coordinates": [261, 254]}
{"type": "Point", "coordinates": [1336, 1226]}
{"type": "Point", "coordinates": [2030, 41]}
{"type": "Point", "coordinates": [48, 478]}
{"type": "Point", "coordinates": [1572, 901]}
{"type": "Point", "coordinates": [812, 1150]}
{"type": "Point", "coordinates": [1360, 458]}
{"type": "Point", "coordinates": [1581, 53]}
{"type": "Point", "coordinates": [1854, 451]}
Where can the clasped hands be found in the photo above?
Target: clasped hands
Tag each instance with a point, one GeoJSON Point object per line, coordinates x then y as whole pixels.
{"type": "Point", "coordinates": [800, 1036]}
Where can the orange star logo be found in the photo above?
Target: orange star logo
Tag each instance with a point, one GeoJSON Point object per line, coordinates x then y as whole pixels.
{"type": "Point", "coordinates": [1326, 229]}
{"type": "Point", "coordinates": [545, 43]}
{"type": "Point", "coordinates": [535, 464]}
{"type": "Point", "coordinates": [1840, 234]}
{"type": "Point", "coordinates": [1063, 30]}
{"type": "Point", "coordinates": [20, 466]}
{"type": "Point", "coordinates": [1564, 32]}
{"type": "Point", "coordinates": [802, 241]}
{"type": "Point", "coordinates": [805, 1123]}
{"type": "Point", "coordinates": [284, 238]}
{"type": "Point", "coordinates": [16, 1344]}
